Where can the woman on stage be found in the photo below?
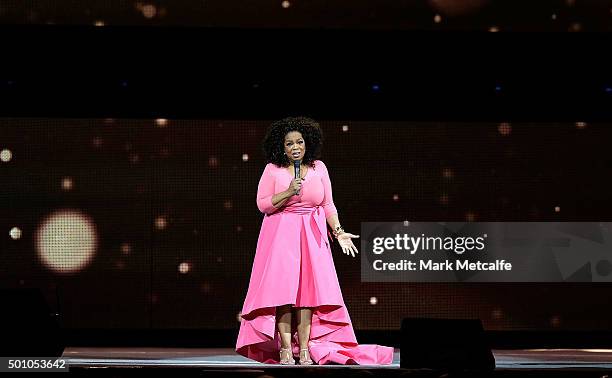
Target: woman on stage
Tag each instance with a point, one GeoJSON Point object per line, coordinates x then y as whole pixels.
{"type": "Point", "coordinates": [293, 283]}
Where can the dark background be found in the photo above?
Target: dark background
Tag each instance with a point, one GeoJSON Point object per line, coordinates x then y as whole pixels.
{"type": "Point", "coordinates": [194, 174]}
{"type": "Point", "coordinates": [461, 124]}
{"type": "Point", "coordinates": [482, 15]}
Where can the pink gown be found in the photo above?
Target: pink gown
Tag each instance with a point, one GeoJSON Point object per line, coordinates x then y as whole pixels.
{"type": "Point", "coordinates": [293, 265]}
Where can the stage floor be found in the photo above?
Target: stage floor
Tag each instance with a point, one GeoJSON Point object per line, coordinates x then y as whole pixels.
{"type": "Point", "coordinates": [532, 359]}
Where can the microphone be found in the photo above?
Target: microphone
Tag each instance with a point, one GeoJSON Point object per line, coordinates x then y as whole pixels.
{"type": "Point", "coordinates": [296, 169]}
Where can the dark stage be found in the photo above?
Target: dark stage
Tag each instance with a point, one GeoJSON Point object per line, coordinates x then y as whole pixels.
{"type": "Point", "coordinates": [224, 361]}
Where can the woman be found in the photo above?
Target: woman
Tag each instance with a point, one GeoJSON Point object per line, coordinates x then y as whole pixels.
{"type": "Point", "coordinates": [293, 267]}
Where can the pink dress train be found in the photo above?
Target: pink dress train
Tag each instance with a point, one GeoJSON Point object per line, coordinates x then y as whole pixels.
{"type": "Point", "coordinates": [293, 265]}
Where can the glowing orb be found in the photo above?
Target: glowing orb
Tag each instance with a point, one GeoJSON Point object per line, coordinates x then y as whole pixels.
{"type": "Point", "coordinates": [15, 233]}
{"type": "Point", "coordinates": [67, 183]}
{"type": "Point", "coordinates": [373, 300]}
{"type": "Point", "coordinates": [6, 155]}
{"type": "Point", "coordinates": [161, 222]}
{"type": "Point", "coordinates": [149, 10]}
{"type": "Point", "coordinates": [66, 241]}
{"type": "Point", "coordinates": [184, 267]}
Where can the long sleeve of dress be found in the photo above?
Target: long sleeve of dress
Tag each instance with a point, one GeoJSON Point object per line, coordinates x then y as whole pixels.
{"type": "Point", "coordinates": [265, 191]}
{"type": "Point", "coordinates": [328, 201]}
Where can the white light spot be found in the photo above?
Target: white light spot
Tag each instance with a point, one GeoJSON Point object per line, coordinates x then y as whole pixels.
{"type": "Point", "coordinates": [396, 197]}
{"type": "Point", "coordinates": [6, 155]}
{"type": "Point", "coordinates": [345, 128]}
{"type": "Point", "coordinates": [149, 10]}
{"type": "Point", "coordinates": [581, 125]}
{"type": "Point", "coordinates": [99, 23]}
{"type": "Point", "coordinates": [437, 18]}
{"type": "Point", "coordinates": [554, 16]}
{"type": "Point", "coordinates": [160, 222]}
{"type": "Point", "coordinates": [126, 249]}
{"type": "Point", "coordinates": [67, 183]}
{"type": "Point", "coordinates": [373, 300]}
{"type": "Point", "coordinates": [557, 209]}
{"type": "Point", "coordinates": [285, 4]}
{"type": "Point", "coordinates": [161, 122]}
{"type": "Point", "coordinates": [493, 29]}
{"type": "Point", "coordinates": [15, 233]}
{"type": "Point", "coordinates": [66, 241]}
{"type": "Point", "coordinates": [245, 157]}
{"type": "Point", "coordinates": [184, 267]}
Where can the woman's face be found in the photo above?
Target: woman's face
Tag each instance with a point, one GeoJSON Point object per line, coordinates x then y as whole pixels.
{"type": "Point", "coordinates": [295, 145]}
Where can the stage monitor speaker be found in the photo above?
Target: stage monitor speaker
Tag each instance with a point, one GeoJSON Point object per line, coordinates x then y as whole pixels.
{"type": "Point", "coordinates": [28, 326]}
{"type": "Point", "coordinates": [445, 344]}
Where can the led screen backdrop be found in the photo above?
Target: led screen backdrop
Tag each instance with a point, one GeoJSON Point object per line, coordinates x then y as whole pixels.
{"type": "Point", "coordinates": [153, 224]}
{"type": "Point", "coordinates": [482, 15]}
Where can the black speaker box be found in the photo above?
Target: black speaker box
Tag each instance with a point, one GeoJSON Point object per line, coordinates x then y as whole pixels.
{"type": "Point", "coordinates": [445, 344]}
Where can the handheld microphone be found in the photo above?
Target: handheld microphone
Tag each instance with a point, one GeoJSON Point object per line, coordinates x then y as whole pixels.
{"type": "Point", "coordinates": [296, 169]}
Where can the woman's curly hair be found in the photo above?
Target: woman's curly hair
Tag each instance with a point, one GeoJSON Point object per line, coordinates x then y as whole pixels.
{"type": "Point", "coordinates": [273, 143]}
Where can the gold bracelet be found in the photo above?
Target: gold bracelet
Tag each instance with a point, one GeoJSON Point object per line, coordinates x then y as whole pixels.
{"type": "Point", "coordinates": [338, 231]}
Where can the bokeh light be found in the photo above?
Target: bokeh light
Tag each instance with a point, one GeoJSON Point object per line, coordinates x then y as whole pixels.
{"type": "Point", "coordinates": [66, 241]}
{"type": "Point", "coordinates": [161, 222]}
{"type": "Point", "coordinates": [15, 233]}
{"type": "Point", "coordinates": [504, 128]}
{"type": "Point", "coordinates": [67, 183]}
{"type": "Point", "coordinates": [184, 267]}
{"type": "Point", "coordinates": [6, 155]}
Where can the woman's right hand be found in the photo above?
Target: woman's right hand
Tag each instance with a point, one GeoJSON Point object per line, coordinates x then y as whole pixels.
{"type": "Point", "coordinates": [295, 186]}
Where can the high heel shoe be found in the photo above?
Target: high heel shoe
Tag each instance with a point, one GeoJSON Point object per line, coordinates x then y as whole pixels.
{"type": "Point", "coordinates": [306, 359]}
{"type": "Point", "coordinates": [286, 356]}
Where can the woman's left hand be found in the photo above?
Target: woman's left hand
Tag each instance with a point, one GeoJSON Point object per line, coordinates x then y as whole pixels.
{"type": "Point", "coordinates": [344, 239]}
